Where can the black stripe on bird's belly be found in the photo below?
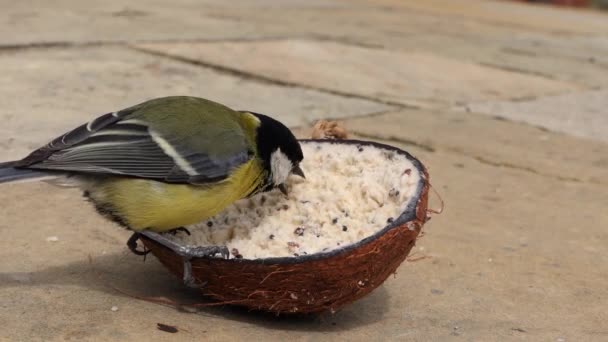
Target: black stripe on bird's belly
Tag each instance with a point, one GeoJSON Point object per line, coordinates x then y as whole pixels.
{"type": "Point", "coordinates": [106, 210]}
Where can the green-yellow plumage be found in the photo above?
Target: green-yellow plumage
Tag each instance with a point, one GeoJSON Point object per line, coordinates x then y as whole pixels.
{"type": "Point", "coordinates": [167, 162]}
{"type": "Point", "coordinates": [147, 204]}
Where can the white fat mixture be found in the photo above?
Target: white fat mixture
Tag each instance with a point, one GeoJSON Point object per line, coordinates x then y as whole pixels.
{"type": "Point", "coordinates": [350, 192]}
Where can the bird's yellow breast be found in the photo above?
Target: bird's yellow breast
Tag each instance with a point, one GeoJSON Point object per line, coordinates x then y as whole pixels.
{"type": "Point", "coordinates": [147, 204]}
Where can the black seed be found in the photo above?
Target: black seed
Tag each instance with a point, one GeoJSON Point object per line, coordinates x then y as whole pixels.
{"type": "Point", "coordinates": [299, 231]}
{"type": "Point", "coordinates": [209, 224]}
{"type": "Point", "coordinates": [296, 254]}
{"type": "Point", "coordinates": [318, 235]}
{"type": "Point", "coordinates": [360, 148]}
{"type": "Point", "coordinates": [271, 237]}
{"type": "Point", "coordinates": [236, 253]}
{"type": "Point", "coordinates": [166, 328]}
{"type": "Point", "coordinates": [305, 253]}
{"type": "Point", "coordinates": [389, 220]}
{"type": "Point", "coordinates": [263, 200]}
{"type": "Point", "coordinates": [285, 206]}
{"type": "Point", "coordinates": [393, 192]}
{"type": "Point", "coordinates": [338, 244]}
{"type": "Point", "coordinates": [226, 220]}
{"type": "Point", "coordinates": [335, 220]}
{"type": "Point", "coordinates": [344, 228]}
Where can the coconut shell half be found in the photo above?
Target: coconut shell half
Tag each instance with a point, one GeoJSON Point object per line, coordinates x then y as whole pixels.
{"type": "Point", "coordinates": [310, 283]}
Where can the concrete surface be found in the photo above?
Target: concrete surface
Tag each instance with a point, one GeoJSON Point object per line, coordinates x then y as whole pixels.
{"type": "Point", "coordinates": [518, 254]}
{"type": "Point", "coordinates": [582, 114]}
{"type": "Point", "coordinates": [125, 77]}
{"type": "Point", "coordinates": [414, 78]}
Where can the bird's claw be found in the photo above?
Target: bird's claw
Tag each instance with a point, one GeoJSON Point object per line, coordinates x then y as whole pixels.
{"type": "Point", "coordinates": [188, 277]}
{"type": "Point", "coordinates": [180, 229]}
{"type": "Point", "coordinates": [209, 251]}
{"type": "Point", "coordinates": [132, 244]}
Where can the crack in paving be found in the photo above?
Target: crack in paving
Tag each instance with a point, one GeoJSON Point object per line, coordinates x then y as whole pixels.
{"type": "Point", "coordinates": [519, 70]}
{"type": "Point", "coordinates": [126, 43]}
{"type": "Point", "coordinates": [478, 158]}
{"type": "Point", "coordinates": [345, 40]}
{"type": "Point", "coordinates": [591, 60]}
{"type": "Point", "coordinates": [268, 80]}
{"type": "Point", "coordinates": [130, 44]}
{"type": "Point", "coordinates": [50, 45]}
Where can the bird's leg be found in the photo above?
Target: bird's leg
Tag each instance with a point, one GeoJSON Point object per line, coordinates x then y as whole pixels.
{"type": "Point", "coordinates": [180, 229]}
{"type": "Point", "coordinates": [132, 244]}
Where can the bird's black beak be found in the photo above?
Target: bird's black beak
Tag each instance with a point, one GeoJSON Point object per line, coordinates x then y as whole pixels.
{"type": "Point", "coordinates": [298, 171]}
{"type": "Point", "coordinates": [283, 188]}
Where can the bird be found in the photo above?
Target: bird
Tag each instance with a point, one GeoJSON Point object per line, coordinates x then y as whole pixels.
{"type": "Point", "coordinates": [166, 163]}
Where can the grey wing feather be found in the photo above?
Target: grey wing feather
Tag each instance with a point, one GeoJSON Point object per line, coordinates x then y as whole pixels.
{"type": "Point", "coordinates": [11, 174]}
{"type": "Point", "coordinates": [107, 145]}
{"type": "Point", "coordinates": [205, 168]}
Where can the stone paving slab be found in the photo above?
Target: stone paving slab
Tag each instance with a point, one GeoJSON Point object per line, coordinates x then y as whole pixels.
{"type": "Point", "coordinates": [69, 21]}
{"type": "Point", "coordinates": [415, 78]}
{"type": "Point", "coordinates": [589, 49]}
{"type": "Point", "coordinates": [579, 62]}
{"type": "Point", "coordinates": [494, 142]}
{"type": "Point", "coordinates": [107, 21]}
{"type": "Point", "coordinates": [78, 22]}
{"type": "Point", "coordinates": [540, 18]}
{"type": "Point", "coordinates": [518, 254]}
{"type": "Point", "coordinates": [46, 92]}
{"type": "Point", "coordinates": [578, 59]}
{"type": "Point", "coordinates": [581, 114]}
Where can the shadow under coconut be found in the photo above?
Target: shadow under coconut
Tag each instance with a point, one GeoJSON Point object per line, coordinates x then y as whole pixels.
{"type": "Point", "coordinates": [128, 276]}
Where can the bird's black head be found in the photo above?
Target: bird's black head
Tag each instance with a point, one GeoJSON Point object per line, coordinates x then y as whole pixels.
{"type": "Point", "coordinates": [279, 150]}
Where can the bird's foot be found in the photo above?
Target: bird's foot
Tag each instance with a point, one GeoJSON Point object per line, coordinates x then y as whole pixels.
{"type": "Point", "coordinates": [132, 244]}
{"type": "Point", "coordinates": [180, 229]}
{"type": "Point", "coordinates": [209, 251]}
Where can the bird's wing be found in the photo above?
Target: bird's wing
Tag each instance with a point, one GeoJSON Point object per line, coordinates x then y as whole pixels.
{"type": "Point", "coordinates": [120, 144]}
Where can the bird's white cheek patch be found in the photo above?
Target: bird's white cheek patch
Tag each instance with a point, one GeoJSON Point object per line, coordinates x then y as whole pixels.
{"type": "Point", "coordinates": [280, 166]}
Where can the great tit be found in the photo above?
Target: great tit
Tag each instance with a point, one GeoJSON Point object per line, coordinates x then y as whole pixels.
{"type": "Point", "coordinates": [166, 163]}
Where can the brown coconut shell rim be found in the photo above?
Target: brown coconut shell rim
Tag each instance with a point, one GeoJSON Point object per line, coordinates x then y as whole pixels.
{"type": "Point", "coordinates": [408, 215]}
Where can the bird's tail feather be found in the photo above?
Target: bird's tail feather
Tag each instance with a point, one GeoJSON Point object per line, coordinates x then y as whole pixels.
{"type": "Point", "coordinates": [10, 174]}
